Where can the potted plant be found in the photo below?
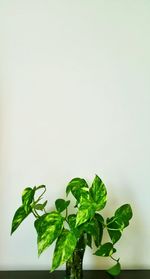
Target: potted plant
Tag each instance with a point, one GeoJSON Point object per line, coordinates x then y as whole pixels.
{"type": "Point", "coordinates": [73, 232]}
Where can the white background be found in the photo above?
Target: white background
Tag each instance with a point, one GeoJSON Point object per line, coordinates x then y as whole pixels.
{"type": "Point", "coordinates": [74, 101]}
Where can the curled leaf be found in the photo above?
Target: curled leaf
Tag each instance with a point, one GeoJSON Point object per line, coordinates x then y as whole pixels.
{"type": "Point", "coordinates": [115, 270]}
{"type": "Point", "coordinates": [27, 198]}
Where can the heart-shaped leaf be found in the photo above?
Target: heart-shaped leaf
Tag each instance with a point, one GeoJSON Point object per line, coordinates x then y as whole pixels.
{"type": "Point", "coordinates": [114, 229]}
{"type": "Point", "coordinates": [118, 222]}
{"type": "Point", "coordinates": [64, 248]}
{"type": "Point", "coordinates": [48, 228]}
{"type": "Point", "coordinates": [115, 270]}
{"type": "Point", "coordinates": [78, 187]}
{"type": "Point", "coordinates": [105, 250]}
{"type": "Point", "coordinates": [86, 211]}
{"type": "Point", "coordinates": [98, 193]}
{"type": "Point", "coordinates": [19, 216]}
{"type": "Point", "coordinates": [27, 198]}
{"type": "Point", "coordinates": [123, 215]}
{"type": "Point", "coordinates": [40, 206]}
{"type": "Point", "coordinates": [61, 204]}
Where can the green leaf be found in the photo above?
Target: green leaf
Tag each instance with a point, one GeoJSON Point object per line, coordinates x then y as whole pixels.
{"type": "Point", "coordinates": [99, 218]}
{"type": "Point", "coordinates": [40, 206]}
{"type": "Point", "coordinates": [78, 187]}
{"type": "Point", "coordinates": [86, 211]}
{"type": "Point", "coordinates": [88, 227]}
{"type": "Point", "coordinates": [115, 235]}
{"type": "Point", "coordinates": [89, 240]}
{"type": "Point", "coordinates": [123, 214]}
{"type": "Point", "coordinates": [91, 228]}
{"type": "Point", "coordinates": [98, 232]}
{"type": "Point", "coordinates": [19, 216]}
{"type": "Point", "coordinates": [27, 198]}
{"type": "Point", "coordinates": [114, 229]}
{"type": "Point", "coordinates": [48, 228]}
{"type": "Point", "coordinates": [40, 187]}
{"type": "Point", "coordinates": [78, 231]}
{"type": "Point", "coordinates": [61, 204]}
{"type": "Point", "coordinates": [105, 250]}
{"type": "Point", "coordinates": [98, 193]}
{"type": "Point", "coordinates": [76, 182]}
{"type": "Point", "coordinates": [115, 270]}
{"type": "Point", "coordinates": [94, 229]}
{"type": "Point", "coordinates": [64, 248]}
{"type": "Point", "coordinates": [118, 222]}
{"type": "Point", "coordinates": [72, 221]}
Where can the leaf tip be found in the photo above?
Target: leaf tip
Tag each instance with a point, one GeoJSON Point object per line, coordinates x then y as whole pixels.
{"type": "Point", "coordinates": [52, 269]}
{"type": "Point", "coordinates": [115, 270]}
{"type": "Point", "coordinates": [39, 253]}
{"type": "Point", "coordinates": [12, 230]}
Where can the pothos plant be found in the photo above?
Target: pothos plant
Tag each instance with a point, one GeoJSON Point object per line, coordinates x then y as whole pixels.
{"type": "Point", "coordinates": [73, 232]}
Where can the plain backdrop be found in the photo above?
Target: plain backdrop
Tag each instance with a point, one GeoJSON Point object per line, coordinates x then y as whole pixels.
{"type": "Point", "coordinates": [75, 102]}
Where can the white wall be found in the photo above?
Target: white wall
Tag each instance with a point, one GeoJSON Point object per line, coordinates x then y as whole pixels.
{"type": "Point", "coordinates": [75, 99]}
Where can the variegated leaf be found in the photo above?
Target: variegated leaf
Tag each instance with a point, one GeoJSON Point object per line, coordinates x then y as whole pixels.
{"type": "Point", "coordinates": [64, 248]}
{"type": "Point", "coordinates": [105, 250]}
{"type": "Point", "coordinates": [19, 216]}
{"type": "Point", "coordinates": [27, 198]}
{"type": "Point", "coordinates": [78, 187]}
{"type": "Point", "coordinates": [118, 222]}
{"type": "Point", "coordinates": [48, 228]}
{"type": "Point", "coordinates": [123, 214]}
{"type": "Point", "coordinates": [98, 193]}
{"type": "Point", "coordinates": [86, 211]}
{"type": "Point", "coordinates": [114, 229]}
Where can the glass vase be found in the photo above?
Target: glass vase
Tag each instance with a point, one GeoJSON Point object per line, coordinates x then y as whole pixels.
{"type": "Point", "coordinates": [74, 266]}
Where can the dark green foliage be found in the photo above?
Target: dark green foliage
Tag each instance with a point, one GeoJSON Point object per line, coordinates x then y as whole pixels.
{"type": "Point", "coordinates": [117, 223]}
{"type": "Point", "coordinates": [61, 204]}
{"type": "Point", "coordinates": [74, 231]}
{"type": "Point", "coordinates": [115, 270]}
{"type": "Point", "coordinates": [105, 250]}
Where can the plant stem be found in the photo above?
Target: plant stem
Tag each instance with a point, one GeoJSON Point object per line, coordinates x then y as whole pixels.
{"type": "Point", "coordinates": [34, 214]}
{"type": "Point", "coordinates": [66, 213]}
{"type": "Point", "coordinates": [39, 198]}
{"type": "Point", "coordinates": [110, 229]}
{"type": "Point", "coordinates": [114, 259]}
